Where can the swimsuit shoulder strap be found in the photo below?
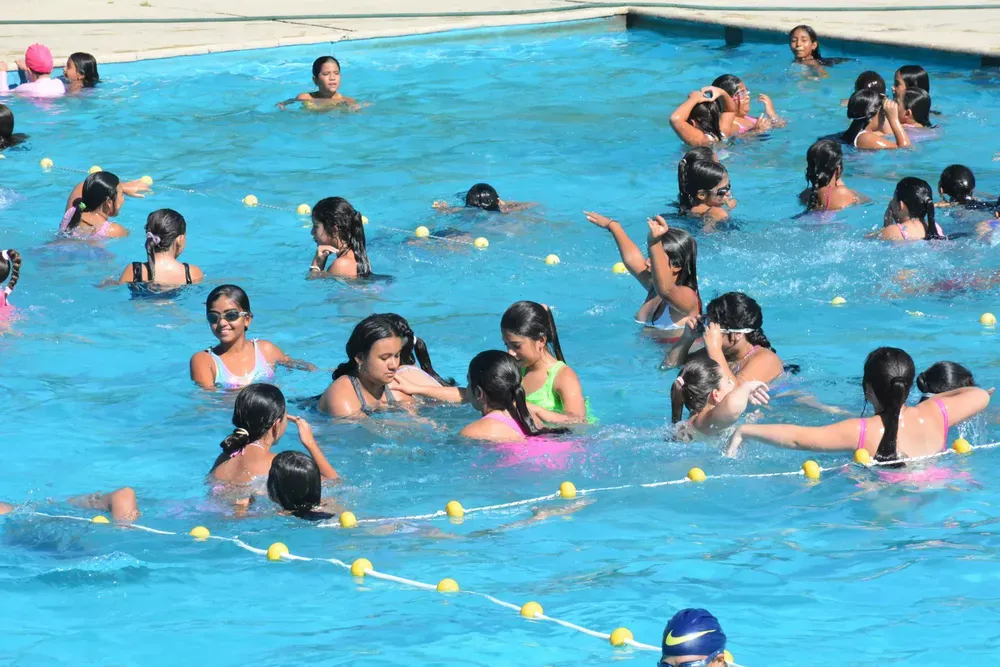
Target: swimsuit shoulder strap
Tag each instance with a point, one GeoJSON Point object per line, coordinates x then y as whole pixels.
{"type": "Point", "coordinates": [944, 416]}
{"type": "Point", "coordinates": [360, 394]}
{"type": "Point", "coordinates": [550, 379]}
{"type": "Point", "coordinates": [390, 399]}
{"type": "Point", "coordinates": [187, 272]}
{"type": "Point", "coordinates": [862, 432]}
{"type": "Point", "coordinates": [505, 420]}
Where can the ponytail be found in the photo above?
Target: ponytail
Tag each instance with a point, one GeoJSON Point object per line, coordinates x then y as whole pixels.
{"type": "Point", "coordinates": [554, 336]}
{"type": "Point", "coordinates": [918, 197]}
{"type": "Point", "coordinates": [677, 400]}
{"type": "Point", "coordinates": [356, 241]}
{"type": "Point", "coordinates": [823, 159]}
{"type": "Point", "coordinates": [10, 266]}
{"type": "Point", "coordinates": [151, 242]}
{"type": "Point", "coordinates": [349, 367]}
{"type": "Point", "coordinates": [97, 189]}
{"type": "Point", "coordinates": [163, 227]}
{"type": "Point", "coordinates": [519, 411]}
{"type": "Point", "coordinates": [424, 358]}
{"type": "Point", "coordinates": [757, 337]}
{"type": "Point", "coordinates": [887, 446]}
{"type": "Point", "coordinates": [888, 376]}
{"type": "Point", "coordinates": [684, 200]}
{"type": "Point", "coordinates": [694, 386]}
{"type": "Point", "coordinates": [258, 408]}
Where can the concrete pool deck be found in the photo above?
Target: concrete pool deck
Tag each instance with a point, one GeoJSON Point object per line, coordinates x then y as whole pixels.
{"type": "Point", "coordinates": [129, 30]}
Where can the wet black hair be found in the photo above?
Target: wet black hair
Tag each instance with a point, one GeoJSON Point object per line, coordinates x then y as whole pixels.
{"type": "Point", "coordinates": [532, 320]}
{"type": "Point", "coordinates": [695, 383]}
{"type": "Point", "coordinates": [889, 374]}
{"type": "Point", "coordinates": [258, 407]}
{"type": "Point", "coordinates": [918, 102]}
{"type": "Point", "coordinates": [823, 160]}
{"type": "Point", "coordinates": [163, 227]}
{"type": "Point", "coordinates": [10, 268]}
{"type": "Point", "coordinates": [944, 376]}
{"type": "Point", "coordinates": [682, 252]}
{"type": "Point", "coordinates": [736, 310]}
{"type": "Point", "coordinates": [826, 62]}
{"type": "Point", "coordinates": [415, 350]}
{"type": "Point", "coordinates": [870, 80]}
{"type": "Point", "coordinates": [86, 65]}
{"type": "Point", "coordinates": [957, 182]}
{"type": "Point", "coordinates": [707, 117]}
{"type": "Point", "coordinates": [915, 76]}
{"type": "Point", "coordinates": [295, 483]}
{"type": "Point", "coordinates": [322, 60]}
{"type": "Point", "coordinates": [729, 83]}
{"type": "Point", "coordinates": [694, 176]}
{"type": "Point", "coordinates": [864, 105]}
{"type": "Point", "coordinates": [231, 292]}
{"type": "Point", "coordinates": [340, 220]}
{"type": "Point", "coordinates": [497, 374]}
{"type": "Point", "coordinates": [98, 188]}
{"type": "Point", "coordinates": [368, 331]}
{"type": "Point", "coordinates": [482, 195]}
{"type": "Point", "coordinates": [916, 193]}
{"type": "Point", "coordinates": [7, 136]}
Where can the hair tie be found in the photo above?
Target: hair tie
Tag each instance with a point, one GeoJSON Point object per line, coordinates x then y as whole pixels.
{"type": "Point", "coordinates": [3, 253]}
{"type": "Point", "coordinates": [153, 237]}
{"type": "Point", "coordinates": [241, 431]}
{"type": "Point", "coordinates": [679, 381]}
{"type": "Point", "coordinates": [82, 206]}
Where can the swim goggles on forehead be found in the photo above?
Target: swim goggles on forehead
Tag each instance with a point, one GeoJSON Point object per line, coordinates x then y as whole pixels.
{"type": "Point", "coordinates": [704, 662]}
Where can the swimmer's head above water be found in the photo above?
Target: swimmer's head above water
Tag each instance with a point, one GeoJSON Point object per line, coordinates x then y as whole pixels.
{"type": "Point", "coordinates": [494, 384]}
{"type": "Point", "coordinates": [870, 80]}
{"type": "Point", "coordinates": [102, 192]}
{"type": "Point", "coordinates": [957, 183]}
{"type": "Point", "coordinates": [82, 68]}
{"type": "Point", "coordinates": [824, 165]}
{"type": "Point", "coordinates": [863, 108]}
{"type": "Point", "coordinates": [228, 311]}
{"type": "Point", "coordinates": [740, 317]}
{"type": "Point", "coordinates": [913, 199]}
{"type": "Point", "coordinates": [373, 351]}
{"type": "Point", "coordinates": [737, 90]}
{"type": "Point", "coordinates": [907, 77]}
{"type": "Point", "coordinates": [166, 231]}
{"type": "Point", "coordinates": [326, 75]}
{"type": "Point", "coordinates": [701, 182]}
{"type": "Point", "coordinates": [693, 638]}
{"type": "Point", "coordinates": [699, 384]}
{"type": "Point", "coordinates": [484, 196]}
{"type": "Point", "coordinates": [336, 223]}
{"type": "Point", "coordinates": [528, 329]}
{"type": "Point", "coordinates": [294, 482]}
{"type": "Point", "coordinates": [10, 267]}
{"type": "Point", "coordinates": [259, 414]}
{"type": "Point", "coordinates": [887, 381]}
{"type": "Point", "coordinates": [944, 376]}
{"type": "Point", "coordinates": [916, 107]}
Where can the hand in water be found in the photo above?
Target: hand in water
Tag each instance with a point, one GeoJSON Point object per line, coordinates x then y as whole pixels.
{"type": "Point", "coordinates": [735, 440]}
{"type": "Point", "coordinates": [135, 189]}
{"type": "Point", "coordinates": [600, 220]}
{"type": "Point", "coordinates": [658, 228]}
{"type": "Point", "coordinates": [440, 205]}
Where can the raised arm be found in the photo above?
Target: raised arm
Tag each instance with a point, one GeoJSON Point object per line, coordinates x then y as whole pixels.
{"type": "Point", "coordinates": [309, 442]}
{"type": "Point", "coordinates": [631, 255]}
{"type": "Point", "coordinates": [839, 437]}
{"type": "Point", "coordinates": [964, 403]}
{"type": "Point", "coordinates": [688, 133]}
{"type": "Point", "coordinates": [680, 297]}
{"type": "Point", "coordinates": [735, 403]}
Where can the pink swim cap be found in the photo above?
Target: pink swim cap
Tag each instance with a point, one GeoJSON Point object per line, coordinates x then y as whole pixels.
{"type": "Point", "coordinates": [38, 58]}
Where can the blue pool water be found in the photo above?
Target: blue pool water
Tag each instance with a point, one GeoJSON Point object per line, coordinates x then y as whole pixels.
{"type": "Point", "coordinates": [96, 393]}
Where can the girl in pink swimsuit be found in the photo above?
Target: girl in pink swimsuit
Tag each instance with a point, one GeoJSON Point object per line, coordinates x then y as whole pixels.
{"type": "Point", "coordinates": [10, 267]}
{"type": "Point", "coordinates": [90, 214]}
{"type": "Point", "coordinates": [740, 94]}
{"type": "Point", "coordinates": [906, 432]}
{"type": "Point", "coordinates": [910, 214]}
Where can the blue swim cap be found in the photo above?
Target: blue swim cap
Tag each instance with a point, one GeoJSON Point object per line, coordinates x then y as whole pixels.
{"type": "Point", "coordinates": [693, 632]}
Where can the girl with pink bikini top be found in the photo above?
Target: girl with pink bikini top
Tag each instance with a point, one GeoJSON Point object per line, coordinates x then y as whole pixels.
{"type": "Point", "coordinates": [89, 217]}
{"type": "Point", "coordinates": [10, 267]}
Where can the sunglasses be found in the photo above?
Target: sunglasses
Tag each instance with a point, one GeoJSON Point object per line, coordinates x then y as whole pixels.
{"type": "Point", "coordinates": [229, 316]}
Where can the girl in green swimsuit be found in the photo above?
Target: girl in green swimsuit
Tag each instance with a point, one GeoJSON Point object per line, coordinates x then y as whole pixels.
{"type": "Point", "coordinates": [553, 390]}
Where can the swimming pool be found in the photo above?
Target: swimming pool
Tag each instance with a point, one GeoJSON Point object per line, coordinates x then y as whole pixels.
{"type": "Point", "coordinates": [96, 393]}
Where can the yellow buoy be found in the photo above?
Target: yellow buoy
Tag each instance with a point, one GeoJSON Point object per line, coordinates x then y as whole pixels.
{"type": "Point", "coordinates": [567, 490]}
{"type": "Point", "coordinates": [728, 657]}
{"type": "Point", "coordinates": [348, 520]}
{"type": "Point", "coordinates": [95, 169]}
{"type": "Point", "coordinates": [619, 636]}
{"type": "Point", "coordinates": [551, 259]}
{"type": "Point", "coordinates": [838, 301]}
{"type": "Point", "coordinates": [303, 209]}
{"type": "Point", "coordinates": [250, 200]}
{"type": "Point", "coordinates": [276, 551]}
{"type": "Point", "coordinates": [988, 319]}
{"type": "Point", "coordinates": [199, 533]}
{"type": "Point", "coordinates": [148, 180]}
{"type": "Point", "coordinates": [359, 566]}
{"type": "Point", "coordinates": [481, 242]}
{"type": "Point", "coordinates": [811, 469]}
{"type": "Point", "coordinates": [531, 610]}
{"type": "Point", "coordinates": [454, 509]}
{"type": "Point", "coordinates": [961, 446]}
{"type": "Point", "coordinates": [422, 232]}
{"type": "Point", "coordinates": [46, 163]}
{"type": "Point", "coordinates": [696, 475]}
{"type": "Point", "coordinates": [619, 267]}
{"type": "Point", "coordinates": [862, 456]}
{"type": "Point", "coordinates": [100, 519]}
{"type": "Point", "coordinates": [364, 220]}
{"type": "Point", "coordinates": [447, 586]}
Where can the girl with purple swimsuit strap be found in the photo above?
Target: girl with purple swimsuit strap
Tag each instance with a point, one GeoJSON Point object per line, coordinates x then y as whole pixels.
{"type": "Point", "coordinates": [910, 214]}
{"type": "Point", "coordinates": [10, 267]}
{"type": "Point", "coordinates": [89, 216]}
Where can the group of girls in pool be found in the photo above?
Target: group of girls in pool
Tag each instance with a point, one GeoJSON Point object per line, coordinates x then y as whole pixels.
{"type": "Point", "coordinates": [726, 361]}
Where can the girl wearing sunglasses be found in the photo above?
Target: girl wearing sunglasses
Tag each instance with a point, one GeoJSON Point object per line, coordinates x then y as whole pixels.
{"type": "Point", "coordinates": [236, 362]}
{"type": "Point", "coordinates": [704, 188]}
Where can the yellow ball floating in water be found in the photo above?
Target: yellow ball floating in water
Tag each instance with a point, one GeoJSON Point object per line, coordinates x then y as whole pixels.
{"type": "Point", "coordinates": [359, 566]}
{"type": "Point", "coordinates": [481, 242]}
{"type": "Point", "coordinates": [531, 610]}
{"type": "Point", "coordinates": [46, 163]}
{"type": "Point", "coordinates": [619, 267]}
{"type": "Point", "coordinates": [567, 490]}
{"type": "Point", "coordinates": [364, 220]}
{"type": "Point", "coordinates": [728, 657]}
{"type": "Point", "coordinates": [961, 446]}
{"type": "Point", "coordinates": [199, 533]}
{"type": "Point", "coordinates": [552, 259]}
{"type": "Point", "coordinates": [619, 636]}
{"type": "Point", "coordinates": [250, 200]}
{"type": "Point", "coordinates": [348, 520]}
{"type": "Point", "coordinates": [422, 232]}
{"type": "Point", "coordinates": [454, 509]}
{"type": "Point", "coordinates": [100, 519]}
{"type": "Point", "coordinates": [447, 586]}
{"type": "Point", "coordinates": [148, 180]}
{"type": "Point", "coordinates": [304, 209]}
{"type": "Point", "coordinates": [696, 475]}
{"type": "Point", "coordinates": [988, 319]}
{"type": "Point", "coordinates": [95, 169]}
{"type": "Point", "coordinates": [811, 469]}
{"type": "Point", "coordinates": [838, 301]}
{"type": "Point", "coordinates": [276, 551]}
{"type": "Point", "coordinates": [862, 456]}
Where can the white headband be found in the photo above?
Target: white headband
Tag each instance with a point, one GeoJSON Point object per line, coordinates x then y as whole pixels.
{"type": "Point", "coordinates": [3, 253]}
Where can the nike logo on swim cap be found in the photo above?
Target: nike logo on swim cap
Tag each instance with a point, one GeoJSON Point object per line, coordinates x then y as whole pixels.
{"type": "Point", "coordinates": [670, 640]}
